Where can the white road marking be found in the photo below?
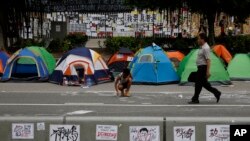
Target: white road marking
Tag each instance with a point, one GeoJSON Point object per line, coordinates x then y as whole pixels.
{"type": "Point", "coordinates": [81, 112]}
{"type": "Point", "coordinates": [123, 105]}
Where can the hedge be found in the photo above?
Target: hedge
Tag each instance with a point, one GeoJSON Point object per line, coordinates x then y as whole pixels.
{"type": "Point", "coordinates": [235, 44]}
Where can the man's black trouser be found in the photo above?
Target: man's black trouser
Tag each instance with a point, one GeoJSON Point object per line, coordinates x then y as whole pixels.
{"type": "Point", "coordinates": [201, 81]}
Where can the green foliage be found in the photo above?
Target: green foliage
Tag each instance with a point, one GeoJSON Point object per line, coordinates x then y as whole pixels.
{"type": "Point", "coordinates": [69, 42]}
{"type": "Point", "coordinates": [55, 46]}
{"type": "Point", "coordinates": [113, 44]}
{"type": "Point", "coordinates": [235, 44]}
{"type": "Point", "coordinates": [76, 39]}
{"type": "Point", "coordinates": [22, 43]}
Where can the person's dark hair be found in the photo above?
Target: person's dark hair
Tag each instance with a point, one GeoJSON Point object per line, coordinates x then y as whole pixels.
{"type": "Point", "coordinates": [126, 71]}
{"type": "Point", "coordinates": [144, 129]}
{"type": "Point", "coordinates": [203, 36]}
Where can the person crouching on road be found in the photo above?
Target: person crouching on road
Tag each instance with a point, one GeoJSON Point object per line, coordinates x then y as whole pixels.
{"type": "Point", "coordinates": [123, 83]}
{"type": "Point", "coordinates": [203, 73]}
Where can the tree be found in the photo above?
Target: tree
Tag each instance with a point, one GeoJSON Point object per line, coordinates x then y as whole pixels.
{"type": "Point", "coordinates": [209, 8]}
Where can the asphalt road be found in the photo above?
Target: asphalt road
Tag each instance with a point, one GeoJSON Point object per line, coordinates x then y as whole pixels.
{"type": "Point", "coordinates": [44, 99]}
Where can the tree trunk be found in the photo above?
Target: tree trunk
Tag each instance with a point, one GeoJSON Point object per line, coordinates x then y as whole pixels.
{"type": "Point", "coordinates": [211, 33]}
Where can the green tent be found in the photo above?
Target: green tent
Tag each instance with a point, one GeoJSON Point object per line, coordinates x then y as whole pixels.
{"type": "Point", "coordinates": [218, 71]}
{"type": "Point", "coordinates": [47, 58]}
{"type": "Point", "coordinates": [239, 67]}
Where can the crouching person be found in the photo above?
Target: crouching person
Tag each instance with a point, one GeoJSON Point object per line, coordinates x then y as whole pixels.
{"type": "Point", "coordinates": [123, 83]}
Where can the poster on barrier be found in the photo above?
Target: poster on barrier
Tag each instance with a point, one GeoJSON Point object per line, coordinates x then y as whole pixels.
{"type": "Point", "coordinates": [144, 133]}
{"type": "Point", "coordinates": [22, 131]}
{"type": "Point", "coordinates": [64, 133]}
{"type": "Point", "coordinates": [184, 133]}
{"type": "Point", "coordinates": [106, 132]}
{"type": "Point", "coordinates": [217, 133]}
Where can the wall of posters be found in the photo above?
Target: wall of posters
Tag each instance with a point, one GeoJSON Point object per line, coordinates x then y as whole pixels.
{"type": "Point", "coordinates": [144, 133]}
{"type": "Point", "coordinates": [217, 133]}
{"type": "Point", "coordinates": [184, 133]}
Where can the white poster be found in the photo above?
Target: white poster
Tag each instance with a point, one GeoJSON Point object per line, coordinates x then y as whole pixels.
{"type": "Point", "coordinates": [22, 131]}
{"type": "Point", "coordinates": [58, 28]}
{"type": "Point", "coordinates": [184, 133]}
{"type": "Point", "coordinates": [64, 133]}
{"type": "Point", "coordinates": [40, 126]}
{"type": "Point", "coordinates": [106, 132]}
{"type": "Point", "coordinates": [144, 133]}
{"type": "Point", "coordinates": [218, 133]}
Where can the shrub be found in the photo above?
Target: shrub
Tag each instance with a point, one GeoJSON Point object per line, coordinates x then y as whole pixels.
{"type": "Point", "coordinates": [76, 39]}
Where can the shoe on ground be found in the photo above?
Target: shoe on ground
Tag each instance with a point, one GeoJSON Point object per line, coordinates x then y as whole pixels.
{"type": "Point", "coordinates": [218, 97]}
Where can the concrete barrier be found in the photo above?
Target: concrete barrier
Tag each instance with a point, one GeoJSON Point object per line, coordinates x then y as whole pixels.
{"type": "Point", "coordinates": [88, 125]}
{"type": "Point", "coordinates": [43, 135]}
{"type": "Point", "coordinates": [200, 124]}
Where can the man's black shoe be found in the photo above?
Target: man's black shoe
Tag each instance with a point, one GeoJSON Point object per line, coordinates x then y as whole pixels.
{"type": "Point", "coordinates": [218, 96]}
{"type": "Point", "coordinates": [194, 102]}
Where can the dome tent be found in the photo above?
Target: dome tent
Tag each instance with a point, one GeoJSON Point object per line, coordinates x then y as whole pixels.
{"type": "Point", "coordinates": [219, 74]}
{"type": "Point", "coordinates": [29, 63]}
{"type": "Point", "coordinates": [239, 71]}
{"type": "Point", "coordinates": [152, 66]}
{"type": "Point", "coordinates": [120, 60]}
{"type": "Point", "coordinates": [81, 64]}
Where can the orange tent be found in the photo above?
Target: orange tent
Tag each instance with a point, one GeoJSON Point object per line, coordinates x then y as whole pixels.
{"type": "Point", "coordinates": [1, 67]}
{"type": "Point", "coordinates": [222, 52]}
{"type": "Point", "coordinates": [176, 57]}
{"type": "Point", "coordinates": [175, 54]}
{"type": "Point", "coordinates": [120, 59]}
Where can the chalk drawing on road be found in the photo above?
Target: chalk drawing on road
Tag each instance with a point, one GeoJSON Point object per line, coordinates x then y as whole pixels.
{"type": "Point", "coordinates": [184, 133]}
{"type": "Point", "coordinates": [218, 133]}
{"type": "Point", "coordinates": [64, 133]}
{"type": "Point", "coordinates": [144, 133]}
{"type": "Point", "coordinates": [106, 132]}
{"type": "Point", "coordinates": [22, 131]}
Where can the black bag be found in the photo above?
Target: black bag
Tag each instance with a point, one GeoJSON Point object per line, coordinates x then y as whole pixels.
{"type": "Point", "coordinates": [192, 77]}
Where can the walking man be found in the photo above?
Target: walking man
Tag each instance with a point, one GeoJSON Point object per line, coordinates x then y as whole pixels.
{"type": "Point", "coordinates": [203, 73]}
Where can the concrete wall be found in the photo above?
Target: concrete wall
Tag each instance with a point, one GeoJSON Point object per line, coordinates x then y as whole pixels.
{"type": "Point", "coordinates": [88, 125]}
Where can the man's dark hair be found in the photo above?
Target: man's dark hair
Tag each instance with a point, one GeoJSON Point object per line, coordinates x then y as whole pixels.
{"type": "Point", "coordinates": [144, 129]}
{"type": "Point", "coordinates": [203, 36]}
{"type": "Point", "coordinates": [126, 71]}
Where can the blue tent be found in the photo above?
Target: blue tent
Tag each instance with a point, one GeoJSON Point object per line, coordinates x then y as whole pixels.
{"type": "Point", "coordinates": [152, 66]}
{"type": "Point", "coordinates": [25, 64]}
{"type": "Point", "coordinates": [4, 57]}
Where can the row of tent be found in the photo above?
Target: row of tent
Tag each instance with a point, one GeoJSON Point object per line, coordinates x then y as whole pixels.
{"type": "Point", "coordinates": [150, 65]}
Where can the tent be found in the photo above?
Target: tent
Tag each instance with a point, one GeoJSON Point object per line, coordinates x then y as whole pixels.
{"type": "Point", "coordinates": [222, 52]}
{"type": "Point", "coordinates": [120, 60]}
{"type": "Point", "coordinates": [152, 66]}
{"type": "Point", "coordinates": [29, 63]}
{"type": "Point", "coordinates": [3, 59]}
{"type": "Point", "coordinates": [176, 57]}
{"type": "Point", "coordinates": [81, 64]}
{"type": "Point", "coordinates": [218, 72]}
{"type": "Point", "coordinates": [239, 67]}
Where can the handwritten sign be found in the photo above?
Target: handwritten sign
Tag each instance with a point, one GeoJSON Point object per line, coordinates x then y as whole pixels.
{"type": "Point", "coordinates": [185, 133]}
{"type": "Point", "coordinates": [64, 133]}
{"type": "Point", "coordinates": [23, 131]}
{"type": "Point", "coordinates": [218, 133]}
{"type": "Point", "coordinates": [144, 133]}
{"type": "Point", "coordinates": [106, 132]}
